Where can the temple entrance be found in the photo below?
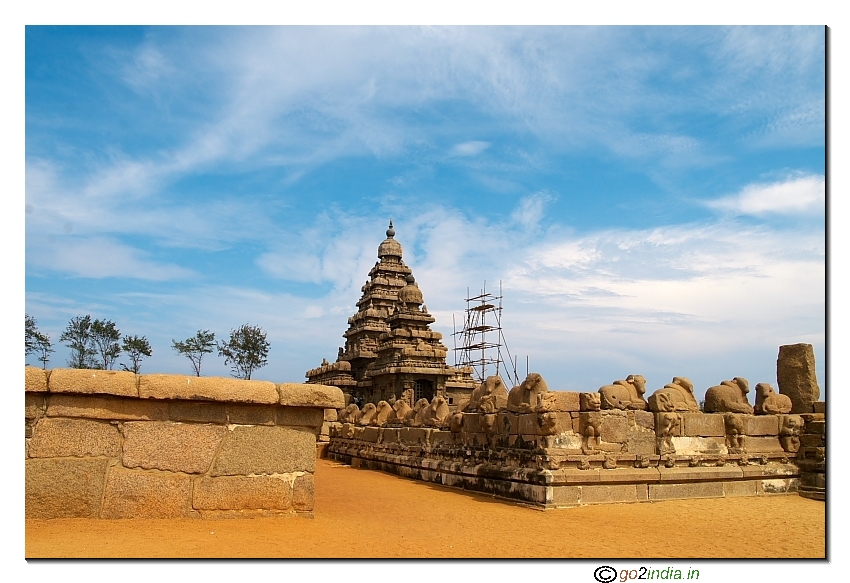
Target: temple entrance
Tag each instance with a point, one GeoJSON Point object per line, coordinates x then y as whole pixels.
{"type": "Point", "coordinates": [423, 389]}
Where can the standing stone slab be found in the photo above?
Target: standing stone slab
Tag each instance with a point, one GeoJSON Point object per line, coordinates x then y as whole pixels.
{"type": "Point", "coordinates": [174, 447]}
{"type": "Point", "coordinates": [304, 416]}
{"type": "Point", "coordinates": [140, 494]}
{"type": "Point", "coordinates": [795, 375]}
{"type": "Point", "coordinates": [64, 488]}
{"type": "Point", "coordinates": [74, 438]}
{"type": "Point", "coordinates": [265, 450]}
{"type": "Point", "coordinates": [242, 493]}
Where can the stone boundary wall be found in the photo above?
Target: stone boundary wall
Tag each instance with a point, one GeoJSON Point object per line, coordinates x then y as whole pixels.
{"type": "Point", "coordinates": [109, 444]}
{"type": "Point", "coordinates": [568, 458]}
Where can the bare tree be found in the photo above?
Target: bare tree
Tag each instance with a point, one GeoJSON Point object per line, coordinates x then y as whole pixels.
{"type": "Point", "coordinates": [195, 347]}
{"type": "Point", "coordinates": [246, 350]}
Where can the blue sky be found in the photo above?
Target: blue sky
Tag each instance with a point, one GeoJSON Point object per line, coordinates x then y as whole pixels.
{"type": "Point", "coordinates": [652, 198]}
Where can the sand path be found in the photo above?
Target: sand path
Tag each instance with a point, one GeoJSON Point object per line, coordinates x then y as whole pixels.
{"type": "Point", "coordinates": [363, 513]}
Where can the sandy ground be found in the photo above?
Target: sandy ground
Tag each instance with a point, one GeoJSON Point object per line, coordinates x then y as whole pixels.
{"type": "Point", "coordinates": [363, 513]}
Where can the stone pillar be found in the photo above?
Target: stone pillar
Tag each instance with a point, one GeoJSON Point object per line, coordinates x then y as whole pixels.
{"type": "Point", "coordinates": [795, 375]}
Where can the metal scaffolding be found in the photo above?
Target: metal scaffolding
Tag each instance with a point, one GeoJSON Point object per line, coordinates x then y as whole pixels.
{"type": "Point", "coordinates": [482, 341]}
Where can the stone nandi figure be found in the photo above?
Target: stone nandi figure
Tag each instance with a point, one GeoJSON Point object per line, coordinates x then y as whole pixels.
{"type": "Point", "coordinates": [435, 414]}
{"type": "Point", "coordinates": [401, 409]}
{"type": "Point", "coordinates": [769, 402]}
{"type": "Point", "coordinates": [412, 417]}
{"type": "Point", "coordinates": [488, 397]}
{"type": "Point", "coordinates": [729, 397]}
{"type": "Point", "coordinates": [675, 396]}
{"type": "Point", "coordinates": [383, 414]}
{"type": "Point", "coordinates": [367, 414]}
{"type": "Point", "coordinates": [627, 394]}
{"type": "Point", "coordinates": [524, 397]}
{"type": "Point", "coordinates": [350, 414]}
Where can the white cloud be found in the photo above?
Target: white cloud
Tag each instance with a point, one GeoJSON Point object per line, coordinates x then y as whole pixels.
{"type": "Point", "coordinates": [472, 148]}
{"type": "Point", "coordinates": [529, 211]}
{"type": "Point", "coordinates": [797, 195]}
{"type": "Point", "coordinates": [99, 257]}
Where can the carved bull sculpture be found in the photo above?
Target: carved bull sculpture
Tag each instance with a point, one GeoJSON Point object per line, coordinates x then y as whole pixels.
{"type": "Point", "coordinates": [729, 397]}
{"type": "Point", "coordinates": [523, 398]}
{"type": "Point", "coordinates": [675, 396]}
{"type": "Point", "coordinates": [626, 394]}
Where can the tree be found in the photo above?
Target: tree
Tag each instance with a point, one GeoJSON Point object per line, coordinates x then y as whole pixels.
{"type": "Point", "coordinates": [37, 342]}
{"type": "Point", "coordinates": [105, 340]}
{"type": "Point", "coordinates": [136, 347]}
{"type": "Point", "coordinates": [78, 337]}
{"type": "Point", "coordinates": [246, 350]}
{"type": "Point", "coordinates": [196, 347]}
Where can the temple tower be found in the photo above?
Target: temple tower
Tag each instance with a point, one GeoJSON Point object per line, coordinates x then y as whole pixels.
{"type": "Point", "coordinates": [389, 346]}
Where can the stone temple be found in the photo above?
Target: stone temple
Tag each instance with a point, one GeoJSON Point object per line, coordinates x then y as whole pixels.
{"type": "Point", "coordinates": [390, 351]}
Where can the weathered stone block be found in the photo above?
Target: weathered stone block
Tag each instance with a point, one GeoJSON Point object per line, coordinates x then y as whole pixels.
{"type": "Point", "coordinates": [472, 423]}
{"type": "Point", "coordinates": [304, 395]}
{"type": "Point", "coordinates": [389, 435]}
{"type": "Point", "coordinates": [795, 375]}
{"type": "Point", "coordinates": [641, 442]}
{"type": "Point", "coordinates": [779, 486]}
{"type": "Point", "coordinates": [566, 495]}
{"type": "Point", "coordinates": [35, 379]}
{"type": "Point", "coordinates": [567, 440]}
{"type": "Point", "coordinates": [604, 494]}
{"type": "Point", "coordinates": [815, 427]}
{"type": "Point", "coordinates": [174, 447]}
{"type": "Point", "coordinates": [106, 407]}
{"type": "Point", "coordinates": [441, 438]}
{"type": "Point", "coordinates": [700, 445]}
{"type": "Point", "coordinates": [744, 488]}
{"type": "Point", "coordinates": [819, 407]}
{"type": "Point", "coordinates": [331, 415]}
{"type": "Point", "coordinates": [346, 431]}
{"type": "Point", "coordinates": [812, 440]}
{"type": "Point", "coordinates": [695, 490]}
{"type": "Point", "coordinates": [88, 381]}
{"type": "Point", "coordinates": [370, 434]}
{"type": "Point", "coordinates": [528, 424]}
{"type": "Point", "coordinates": [506, 423]}
{"type": "Point", "coordinates": [700, 473]}
{"type": "Point", "coordinates": [813, 480]}
{"type": "Point", "coordinates": [74, 438]}
{"type": "Point", "coordinates": [303, 492]}
{"type": "Point", "coordinates": [166, 386]}
{"type": "Point", "coordinates": [197, 412]}
{"type": "Point", "coordinates": [300, 416]}
{"type": "Point", "coordinates": [64, 488]}
{"type": "Point", "coordinates": [243, 493]}
{"type": "Point", "coordinates": [140, 494]}
{"type": "Point", "coordinates": [615, 426]}
{"type": "Point", "coordinates": [703, 425]}
{"type": "Point", "coordinates": [645, 419]}
{"type": "Point", "coordinates": [265, 450]}
{"type": "Point", "coordinates": [761, 444]}
{"type": "Point", "coordinates": [758, 425]}
{"type": "Point", "coordinates": [559, 401]}
{"type": "Point", "coordinates": [244, 414]}
{"type": "Point", "coordinates": [34, 405]}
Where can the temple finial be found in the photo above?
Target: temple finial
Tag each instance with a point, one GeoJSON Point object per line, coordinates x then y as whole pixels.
{"type": "Point", "coordinates": [391, 231]}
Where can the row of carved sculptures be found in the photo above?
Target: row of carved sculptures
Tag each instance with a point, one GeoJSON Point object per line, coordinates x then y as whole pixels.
{"type": "Point", "coordinates": [533, 395]}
